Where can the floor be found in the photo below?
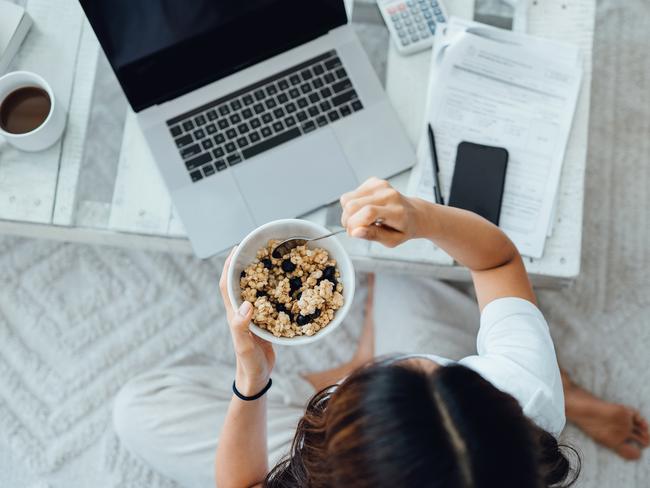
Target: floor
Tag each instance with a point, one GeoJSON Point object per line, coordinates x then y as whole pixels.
{"type": "Point", "coordinates": [78, 321]}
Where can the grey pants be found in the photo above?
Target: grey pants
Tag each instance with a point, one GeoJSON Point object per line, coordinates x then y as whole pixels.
{"type": "Point", "coordinates": [172, 418]}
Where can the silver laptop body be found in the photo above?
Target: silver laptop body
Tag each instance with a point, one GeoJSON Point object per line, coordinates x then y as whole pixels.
{"type": "Point", "coordinates": [224, 188]}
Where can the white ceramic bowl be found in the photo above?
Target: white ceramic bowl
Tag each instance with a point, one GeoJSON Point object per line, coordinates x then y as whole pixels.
{"type": "Point", "coordinates": [246, 253]}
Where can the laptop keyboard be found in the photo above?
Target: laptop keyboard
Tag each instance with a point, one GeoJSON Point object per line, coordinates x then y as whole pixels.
{"type": "Point", "coordinates": [264, 115]}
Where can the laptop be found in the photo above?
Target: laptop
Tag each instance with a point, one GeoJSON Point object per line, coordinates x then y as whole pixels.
{"type": "Point", "coordinates": [253, 110]}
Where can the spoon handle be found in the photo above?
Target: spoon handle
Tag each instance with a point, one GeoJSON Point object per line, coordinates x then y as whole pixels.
{"type": "Point", "coordinates": [328, 235]}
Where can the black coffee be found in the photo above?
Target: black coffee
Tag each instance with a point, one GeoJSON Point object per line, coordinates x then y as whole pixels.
{"type": "Point", "coordinates": [24, 109]}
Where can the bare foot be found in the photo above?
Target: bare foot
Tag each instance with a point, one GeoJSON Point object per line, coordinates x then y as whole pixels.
{"type": "Point", "coordinates": [618, 427]}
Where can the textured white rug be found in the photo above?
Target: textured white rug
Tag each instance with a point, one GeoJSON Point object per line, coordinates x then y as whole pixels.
{"type": "Point", "coordinates": [77, 321]}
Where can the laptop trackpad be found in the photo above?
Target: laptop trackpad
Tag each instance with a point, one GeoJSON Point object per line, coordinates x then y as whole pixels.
{"type": "Point", "coordinates": [294, 178]}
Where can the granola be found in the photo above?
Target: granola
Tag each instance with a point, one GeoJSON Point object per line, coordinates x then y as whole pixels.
{"type": "Point", "coordinates": [294, 295]}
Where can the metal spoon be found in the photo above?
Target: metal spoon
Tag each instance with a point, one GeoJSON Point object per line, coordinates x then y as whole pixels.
{"type": "Point", "coordinates": [288, 244]}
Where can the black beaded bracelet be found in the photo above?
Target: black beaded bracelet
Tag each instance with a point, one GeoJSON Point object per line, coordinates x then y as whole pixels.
{"type": "Point", "coordinates": [254, 397]}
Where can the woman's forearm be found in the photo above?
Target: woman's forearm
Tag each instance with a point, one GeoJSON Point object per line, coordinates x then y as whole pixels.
{"type": "Point", "coordinates": [242, 458]}
{"type": "Point", "coordinates": [468, 238]}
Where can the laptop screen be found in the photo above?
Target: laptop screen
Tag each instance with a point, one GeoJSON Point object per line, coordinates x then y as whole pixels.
{"type": "Point", "coordinates": [161, 49]}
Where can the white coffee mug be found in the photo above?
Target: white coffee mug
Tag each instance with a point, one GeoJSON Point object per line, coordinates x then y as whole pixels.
{"type": "Point", "coordinates": [46, 134]}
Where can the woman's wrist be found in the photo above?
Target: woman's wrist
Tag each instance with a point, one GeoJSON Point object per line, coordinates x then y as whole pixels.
{"type": "Point", "coordinates": [425, 221]}
{"type": "Point", "coordinates": [249, 385]}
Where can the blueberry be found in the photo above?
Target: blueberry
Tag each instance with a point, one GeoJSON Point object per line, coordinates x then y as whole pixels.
{"type": "Point", "coordinates": [280, 307]}
{"type": "Point", "coordinates": [315, 315]}
{"type": "Point", "coordinates": [261, 293]}
{"type": "Point", "coordinates": [267, 263]}
{"type": "Point", "coordinates": [288, 266]}
{"type": "Point", "coordinates": [295, 283]}
{"type": "Point", "coordinates": [303, 320]}
{"type": "Point", "coordinates": [298, 295]}
{"type": "Point", "coordinates": [242, 274]}
{"type": "Point", "coordinates": [329, 273]}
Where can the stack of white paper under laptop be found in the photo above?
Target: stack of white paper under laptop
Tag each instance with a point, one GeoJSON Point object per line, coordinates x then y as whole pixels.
{"type": "Point", "coordinates": [505, 89]}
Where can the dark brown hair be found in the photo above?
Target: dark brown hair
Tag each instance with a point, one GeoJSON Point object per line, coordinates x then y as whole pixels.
{"type": "Point", "coordinates": [393, 425]}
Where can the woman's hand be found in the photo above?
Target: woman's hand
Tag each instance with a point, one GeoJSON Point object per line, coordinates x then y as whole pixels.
{"type": "Point", "coordinates": [255, 356]}
{"type": "Point", "coordinates": [376, 199]}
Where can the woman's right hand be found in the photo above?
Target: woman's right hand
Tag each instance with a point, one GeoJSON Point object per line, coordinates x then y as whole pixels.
{"type": "Point", "coordinates": [255, 356]}
{"type": "Point", "coordinates": [375, 199]}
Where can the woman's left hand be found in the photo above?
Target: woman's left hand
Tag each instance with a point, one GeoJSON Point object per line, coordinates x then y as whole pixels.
{"type": "Point", "coordinates": [255, 356]}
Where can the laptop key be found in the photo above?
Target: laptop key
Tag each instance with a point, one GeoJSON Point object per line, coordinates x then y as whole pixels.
{"type": "Point", "coordinates": [329, 78]}
{"type": "Point", "coordinates": [270, 103]}
{"type": "Point", "coordinates": [305, 88]}
{"type": "Point", "coordinates": [254, 137]}
{"type": "Point", "coordinates": [199, 134]}
{"type": "Point", "coordinates": [325, 106]}
{"type": "Point", "coordinates": [218, 153]}
{"type": "Point", "coordinates": [283, 84]}
{"type": "Point", "coordinates": [294, 79]}
{"type": "Point", "coordinates": [242, 142]}
{"type": "Point", "coordinates": [333, 115]}
{"type": "Point", "coordinates": [188, 126]}
{"type": "Point", "coordinates": [270, 143]}
{"type": "Point", "coordinates": [184, 140]}
{"type": "Point", "coordinates": [258, 108]}
{"type": "Point", "coordinates": [301, 116]}
{"type": "Point", "coordinates": [306, 74]}
{"type": "Point", "coordinates": [313, 97]}
{"type": "Point", "coordinates": [271, 90]}
{"type": "Point", "coordinates": [313, 111]}
{"type": "Point", "coordinates": [230, 147]}
{"type": "Point", "coordinates": [282, 98]}
{"type": "Point", "coordinates": [277, 126]}
{"type": "Point", "coordinates": [212, 115]}
{"type": "Point", "coordinates": [308, 126]}
{"type": "Point", "coordinates": [224, 110]}
{"type": "Point", "coordinates": [211, 129]}
{"type": "Point", "coordinates": [196, 175]}
{"type": "Point", "coordinates": [208, 170]}
{"type": "Point", "coordinates": [243, 128]}
{"type": "Point", "coordinates": [290, 107]}
{"type": "Point", "coordinates": [255, 123]}
{"type": "Point", "coordinates": [219, 139]}
{"type": "Point", "coordinates": [278, 113]}
{"type": "Point", "coordinates": [345, 111]}
{"type": "Point", "coordinates": [321, 121]}
{"type": "Point", "coordinates": [207, 144]}
{"type": "Point", "coordinates": [223, 124]}
{"type": "Point", "coordinates": [198, 161]}
{"type": "Point", "coordinates": [318, 69]}
{"type": "Point", "coordinates": [234, 159]}
{"type": "Point", "coordinates": [260, 95]}
{"type": "Point", "coordinates": [235, 105]}
{"type": "Point", "coordinates": [248, 100]}
{"type": "Point", "coordinates": [341, 73]}
{"type": "Point", "coordinates": [326, 92]}
{"type": "Point", "coordinates": [189, 151]}
{"type": "Point", "coordinates": [318, 83]}
{"type": "Point", "coordinates": [344, 97]}
{"type": "Point", "coordinates": [200, 120]}
{"type": "Point", "coordinates": [231, 133]}
{"type": "Point", "coordinates": [357, 105]}
{"type": "Point", "coordinates": [247, 113]}
{"type": "Point", "coordinates": [290, 121]}
{"type": "Point", "coordinates": [176, 131]}
{"type": "Point", "coordinates": [266, 132]}
{"type": "Point", "coordinates": [333, 63]}
{"type": "Point", "coordinates": [302, 102]}
{"type": "Point", "coordinates": [294, 93]}
{"type": "Point", "coordinates": [220, 165]}
{"type": "Point", "coordinates": [342, 86]}
{"type": "Point", "coordinates": [235, 119]}
{"type": "Point", "coordinates": [267, 118]}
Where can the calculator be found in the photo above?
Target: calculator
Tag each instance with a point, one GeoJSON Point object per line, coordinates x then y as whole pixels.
{"type": "Point", "coordinates": [412, 23]}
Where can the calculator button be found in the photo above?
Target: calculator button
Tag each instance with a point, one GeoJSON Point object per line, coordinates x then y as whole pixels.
{"type": "Point", "coordinates": [440, 18]}
{"type": "Point", "coordinates": [401, 33]}
{"type": "Point", "coordinates": [405, 41]}
{"type": "Point", "coordinates": [432, 27]}
{"type": "Point", "coordinates": [414, 38]}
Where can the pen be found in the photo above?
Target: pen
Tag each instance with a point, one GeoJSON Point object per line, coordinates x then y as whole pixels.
{"type": "Point", "coordinates": [436, 168]}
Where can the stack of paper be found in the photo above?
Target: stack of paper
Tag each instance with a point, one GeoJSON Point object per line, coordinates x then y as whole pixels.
{"type": "Point", "coordinates": [500, 88]}
{"type": "Point", "coordinates": [14, 24]}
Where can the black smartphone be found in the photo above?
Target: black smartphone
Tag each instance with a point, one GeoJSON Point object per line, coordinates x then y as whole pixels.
{"type": "Point", "coordinates": [479, 177]}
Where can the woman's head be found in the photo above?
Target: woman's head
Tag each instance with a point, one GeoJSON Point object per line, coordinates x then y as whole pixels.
{"type": "Point", "coordinates": [396, 424]}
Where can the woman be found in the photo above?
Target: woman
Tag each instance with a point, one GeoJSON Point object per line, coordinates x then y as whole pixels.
{"type": "Point", "coordinates": [413, 420]}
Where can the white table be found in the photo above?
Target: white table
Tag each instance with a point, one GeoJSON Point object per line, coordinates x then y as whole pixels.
{"type": "Point", "coordinates": [40, 197]}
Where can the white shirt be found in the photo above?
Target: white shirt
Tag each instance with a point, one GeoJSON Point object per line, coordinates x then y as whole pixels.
{"type": "Point", "coordinates": [516, 354]}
